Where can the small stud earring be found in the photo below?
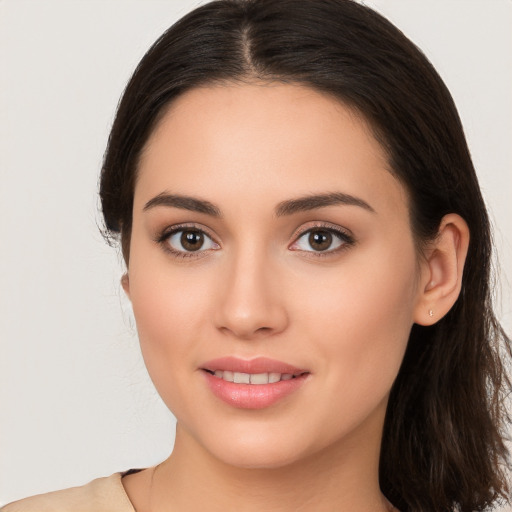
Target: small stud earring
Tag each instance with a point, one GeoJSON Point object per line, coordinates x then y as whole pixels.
{"type": "Point", "coordinates": [430, 313]}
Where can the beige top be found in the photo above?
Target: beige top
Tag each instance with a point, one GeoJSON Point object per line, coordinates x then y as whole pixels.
{"type": "Point", "coordinates": [101, 495]}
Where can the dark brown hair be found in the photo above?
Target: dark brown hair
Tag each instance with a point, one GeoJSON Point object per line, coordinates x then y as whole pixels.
{"type": "Point", "coordinates": [443, 444]}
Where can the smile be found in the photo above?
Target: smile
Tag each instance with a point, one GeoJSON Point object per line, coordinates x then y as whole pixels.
{"type": "Point", "coordinates": [253, 384]}
{"type": "Point", "coordinates": [253, 378]}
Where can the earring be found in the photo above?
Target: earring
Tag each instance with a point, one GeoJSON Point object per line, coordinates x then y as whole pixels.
{"type": "Point", "coordinates": [430, 313]}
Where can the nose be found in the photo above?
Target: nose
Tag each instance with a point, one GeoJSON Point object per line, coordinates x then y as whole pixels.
{"type": "Point", "coordinates": [250, 299]}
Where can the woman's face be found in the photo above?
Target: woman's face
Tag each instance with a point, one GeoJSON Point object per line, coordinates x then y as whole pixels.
{"type": "Point", "coordinates": [270, 239]}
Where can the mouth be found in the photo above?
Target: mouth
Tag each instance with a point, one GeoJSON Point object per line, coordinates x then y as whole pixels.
{"type": "Point", "coordinates": [253, 378]}
{"type": "Point", "coordinates": [252, 384]}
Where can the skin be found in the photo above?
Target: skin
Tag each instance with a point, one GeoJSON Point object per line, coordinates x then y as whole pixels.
{"type": "Point", "coordinates": [258, 288]}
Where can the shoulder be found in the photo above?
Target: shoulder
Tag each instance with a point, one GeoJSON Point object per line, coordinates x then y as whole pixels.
{"type": "Point", "coordinates": [100, 495]}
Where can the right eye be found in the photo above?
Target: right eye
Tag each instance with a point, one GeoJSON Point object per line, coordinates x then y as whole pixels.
{"type": "Point", "coordinates": [184, 242]}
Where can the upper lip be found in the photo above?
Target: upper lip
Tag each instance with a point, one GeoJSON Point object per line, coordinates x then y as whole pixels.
{"type": "Point", "coordinates": [257, 365]}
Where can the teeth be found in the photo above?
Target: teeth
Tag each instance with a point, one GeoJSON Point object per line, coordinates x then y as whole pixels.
{"type": "Point", "coordinates": [241, 378]}
{"type": "Point", "coordinates": [252, 378]}
{"type": "Point", "coordinates": [274, 377]}
{"type": "Point", "coordinates": [259, 378]}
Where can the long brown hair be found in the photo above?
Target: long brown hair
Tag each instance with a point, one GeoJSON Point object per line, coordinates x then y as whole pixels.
{"type": "Point", "coordinates": [443, 443]}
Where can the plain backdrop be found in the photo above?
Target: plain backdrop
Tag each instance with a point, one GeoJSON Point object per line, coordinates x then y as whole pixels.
{"type": "Point", "coordinates": [75, 400]}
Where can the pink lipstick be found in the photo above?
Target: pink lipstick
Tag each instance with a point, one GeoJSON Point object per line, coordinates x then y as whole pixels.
{"type": "Point", "coordinates": [252, 384]}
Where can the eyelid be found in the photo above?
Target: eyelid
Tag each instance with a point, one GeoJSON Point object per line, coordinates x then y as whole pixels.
{"type": "Point", "coordinates": [342, 233]}
{"type": "Point", "coordinates": [169, 230]}
{"type": "Point", "coordinates": [163, 235]}
{"type": "Point", "coordinates": [329, 226]}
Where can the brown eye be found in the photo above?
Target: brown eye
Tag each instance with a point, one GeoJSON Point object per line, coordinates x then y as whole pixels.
{"type": "Point", "coordinates": [189, 241]}
{"type": "Point", "coordinates": [192, 240]}
{"type": "Point", "coordinates": [320, 240]}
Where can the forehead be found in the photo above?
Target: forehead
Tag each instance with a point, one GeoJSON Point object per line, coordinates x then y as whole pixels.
{"type": "Point", "coordinates": [270, 139]}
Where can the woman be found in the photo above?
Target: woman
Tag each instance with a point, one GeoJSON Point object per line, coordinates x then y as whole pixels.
{"type": "Point", "coordinates": [308, 257]}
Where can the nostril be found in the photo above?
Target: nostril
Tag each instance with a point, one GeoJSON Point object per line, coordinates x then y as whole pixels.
{"type": "Point", "coordinates": [264, 329]}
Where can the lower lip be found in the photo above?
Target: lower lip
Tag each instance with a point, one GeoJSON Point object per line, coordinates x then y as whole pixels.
{"type": "Point", "coordinates": [252, 396]}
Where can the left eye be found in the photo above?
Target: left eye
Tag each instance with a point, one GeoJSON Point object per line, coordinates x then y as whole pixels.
{"type": "Point", "coordinates": [321, 240]}
{"type": "Point", "coordinates": [190, 240]}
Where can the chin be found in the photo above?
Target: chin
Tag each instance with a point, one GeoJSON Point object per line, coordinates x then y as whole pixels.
{"type": "Point", "coordinates": [258, 458]}
{"type": "Point", "coordinates": [264, 449]}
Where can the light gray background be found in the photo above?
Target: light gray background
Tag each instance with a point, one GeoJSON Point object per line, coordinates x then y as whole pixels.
{"type": "Point", "coordinates": [75, 400]}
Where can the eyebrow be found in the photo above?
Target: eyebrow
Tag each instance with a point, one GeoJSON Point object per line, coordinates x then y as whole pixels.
{"type": "Point", "coordinates": [289, 207]}
{"type": "Point", "coordinates": [184, 202]}
{"type": "Point", "coordinates": [312, 202]}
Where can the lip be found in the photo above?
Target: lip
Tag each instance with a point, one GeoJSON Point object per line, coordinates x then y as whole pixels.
{"type": "Point", "coordinates": [252, 396]}
{"type": "Point", "coordinates": [257, 365]}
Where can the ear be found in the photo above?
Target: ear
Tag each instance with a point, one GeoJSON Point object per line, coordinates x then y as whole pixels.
{"type": "Point", "coordinates": [125, 283]}
{"type": "Point", "coordinates": [441, 271]}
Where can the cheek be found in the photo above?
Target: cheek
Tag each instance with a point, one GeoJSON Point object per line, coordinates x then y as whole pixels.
{"type": "Point", "coordinates": [362, 318]}
{"type": "Point", "coordinates": [169, 309]}
{"type": "Point", "coordinates": [166, 297]}
{"type": "Point", "coordinates": [163, 310]}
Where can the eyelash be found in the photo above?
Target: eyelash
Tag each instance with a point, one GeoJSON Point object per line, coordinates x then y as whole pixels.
{"type": "Point", "coordinates": [164, 236]}
{"type": "Point", "coordinates": [346, 239]}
